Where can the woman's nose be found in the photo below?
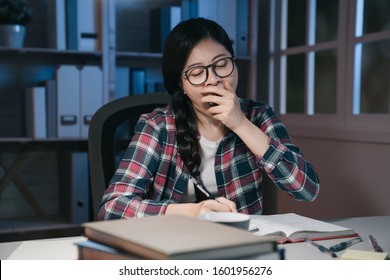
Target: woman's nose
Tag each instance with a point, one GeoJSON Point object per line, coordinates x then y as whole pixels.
{"type": "Point", "coordinates": [213, 79]}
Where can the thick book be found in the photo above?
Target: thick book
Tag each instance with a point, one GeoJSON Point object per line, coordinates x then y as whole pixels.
{"type": "Point", "coordinates": [91, 250]}
{"type": "Point", "coordinates": [177, 237]}
{"type": "Point", "coordinates": [291, 227]}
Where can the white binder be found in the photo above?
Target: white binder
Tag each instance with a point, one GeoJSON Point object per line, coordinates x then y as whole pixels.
{"type": "Point", "coordinates": [68, 101]}
{"type": "Point", "coordinates": [91, 95]}
{"type": "Point", "coordinates": [82, 25]}
{"type": "Point", "coordinates": [56, 24]}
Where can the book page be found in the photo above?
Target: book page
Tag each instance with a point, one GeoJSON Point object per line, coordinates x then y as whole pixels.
{"type": "Point", "coordinates": [291, 223]}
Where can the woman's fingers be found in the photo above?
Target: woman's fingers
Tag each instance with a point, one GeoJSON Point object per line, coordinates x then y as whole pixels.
{"type": "Point", "coordinates": [231, 204]}
{"type": "Point", "coordinates": [220, 204]}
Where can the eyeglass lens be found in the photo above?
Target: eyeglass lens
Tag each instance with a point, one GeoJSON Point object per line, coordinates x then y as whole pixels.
{"type": "Point", "coordinates": [199, 74]}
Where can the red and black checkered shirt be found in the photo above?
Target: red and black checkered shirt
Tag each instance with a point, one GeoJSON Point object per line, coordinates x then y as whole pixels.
{"type": "Point", "coordinates": [152, 174]}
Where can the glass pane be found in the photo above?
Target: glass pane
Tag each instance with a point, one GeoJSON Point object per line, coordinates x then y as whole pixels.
{"type": "Point", "coordinates": [376, 15]}
{"type": "Point", "coordinates": [375, 85]}
{"type": "Point", "coordinates": [325, 82]}
{"type": "Point", "coordinates": [296, 24]}
{"type": "Point", "coordinates": [327, 20]}
{"type": "Point", "coordinates": [295, 89]}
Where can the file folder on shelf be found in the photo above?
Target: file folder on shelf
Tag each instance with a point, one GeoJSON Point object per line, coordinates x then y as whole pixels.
{"type": "Point", "coordinates": [74, 186]}
{"type": "Point", "coordinates": [56, 24]}
{"type": "Point", "coordinates": [82, 25]}
{"type": "Point", "coordinates": [91, 96]}
{"type": "Point", "coordinates": [68, 101]}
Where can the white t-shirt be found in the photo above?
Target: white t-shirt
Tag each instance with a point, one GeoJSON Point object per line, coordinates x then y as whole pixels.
{"type": "Point", "coordinates": [206, 169]}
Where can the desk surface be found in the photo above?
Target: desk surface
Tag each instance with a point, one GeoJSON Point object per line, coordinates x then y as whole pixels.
{"type": "Point", "coordinates": [64, 248]}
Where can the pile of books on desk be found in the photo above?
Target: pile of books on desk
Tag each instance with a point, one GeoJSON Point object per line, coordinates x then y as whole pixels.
{"type": "Point", "coordinates": [171, 237]}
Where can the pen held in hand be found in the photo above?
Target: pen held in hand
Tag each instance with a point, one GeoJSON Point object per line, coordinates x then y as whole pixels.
{"type": "Point", "coordinates": [201, 188]}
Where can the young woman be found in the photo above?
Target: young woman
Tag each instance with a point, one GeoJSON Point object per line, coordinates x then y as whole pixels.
{"type": "Point", "coordinates": [207, 137]}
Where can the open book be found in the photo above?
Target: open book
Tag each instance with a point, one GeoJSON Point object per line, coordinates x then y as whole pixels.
{"type": "Point", "coordinates": [177, 237]}
{"type": "Point", "coordinates": [291, 227]}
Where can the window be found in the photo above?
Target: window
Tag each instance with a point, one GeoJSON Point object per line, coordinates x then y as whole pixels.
{"type": "Point", "coordinates": [330, 64]}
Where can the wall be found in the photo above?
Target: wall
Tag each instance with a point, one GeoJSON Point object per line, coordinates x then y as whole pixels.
{"type": "Point", "coordinates": [353, 175]}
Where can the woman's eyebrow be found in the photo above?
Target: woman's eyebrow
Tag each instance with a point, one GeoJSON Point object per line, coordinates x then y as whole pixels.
{"type": "Point", "coordinates": [199, 64]}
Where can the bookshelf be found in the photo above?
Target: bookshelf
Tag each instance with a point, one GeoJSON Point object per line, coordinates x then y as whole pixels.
{"type": "Point", "coordinates": [32, 202]}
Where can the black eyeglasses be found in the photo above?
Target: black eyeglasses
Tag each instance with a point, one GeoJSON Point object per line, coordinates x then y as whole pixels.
{"type": "Point", "coordinates": [198, 75]}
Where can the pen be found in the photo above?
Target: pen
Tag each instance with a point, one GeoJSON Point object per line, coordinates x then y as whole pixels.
{"type": "Point", "coordinates": [375, 244]}
{"type": "Point", "coordinates": [323, 249]}
{"type": "Point", "coordinates": [200, 187]}
{"type": "Point", "coordinates": [254, 229]}
{"type": "Point", "coordinates": [345, 244]}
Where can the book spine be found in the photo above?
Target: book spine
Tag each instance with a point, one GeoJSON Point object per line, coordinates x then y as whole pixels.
{"type": "Point", "coordinates": [71, 24]}
{"type": "Point", "coordinates": [189, 9]}
{"type": "Point", "coordinates": [122, 82]}
{"type": "Point", "coordinates": [138, 80]}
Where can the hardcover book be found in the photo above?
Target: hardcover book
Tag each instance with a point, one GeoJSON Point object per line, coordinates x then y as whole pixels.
{"type": "Point", "coordinates": [177, 237]}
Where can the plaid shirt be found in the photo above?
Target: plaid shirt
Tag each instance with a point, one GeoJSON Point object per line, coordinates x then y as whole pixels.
{"type": "Point", "coordinates": [152, 174]}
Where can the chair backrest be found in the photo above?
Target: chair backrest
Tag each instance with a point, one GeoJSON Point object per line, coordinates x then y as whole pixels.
{"type": "Point", "coordinates": [110, 131]}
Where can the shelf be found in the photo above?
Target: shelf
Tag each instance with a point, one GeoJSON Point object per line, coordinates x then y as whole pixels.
{"type": "Point", "coordinates": [29, 228]}
{"type": "Point", "coordinates": [28, 140]}
{"type": "Point", "coordinates": [46, 51]}
{"type": "Point", "coordinates": [125, 43]}
{"type": "Point", "coordinates": [139, 55]}
{"type": "Point", "coordinates": [41, 56]}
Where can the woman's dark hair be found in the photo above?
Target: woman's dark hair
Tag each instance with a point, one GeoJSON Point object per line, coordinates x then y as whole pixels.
{"type": "Point", "coordinates": [179, 44]}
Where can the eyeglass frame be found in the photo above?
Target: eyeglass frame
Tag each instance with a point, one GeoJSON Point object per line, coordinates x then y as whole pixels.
{"type": "Point", "coordinates": [213, 66]}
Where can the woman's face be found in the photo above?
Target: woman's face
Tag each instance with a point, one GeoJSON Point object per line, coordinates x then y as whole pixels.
{"type": "Point", "coordinates": [206, 53]}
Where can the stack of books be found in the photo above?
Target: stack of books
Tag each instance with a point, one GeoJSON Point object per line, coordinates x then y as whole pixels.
{"type": "Point", "coordinates": [171, 237]}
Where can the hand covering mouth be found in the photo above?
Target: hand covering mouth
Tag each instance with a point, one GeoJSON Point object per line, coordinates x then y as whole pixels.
{"type": "Point", "coordinates": [212, 104]}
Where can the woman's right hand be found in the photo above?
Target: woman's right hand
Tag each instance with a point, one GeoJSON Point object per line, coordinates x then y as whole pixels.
{"type": "Point", "coordinates": [219, 204]}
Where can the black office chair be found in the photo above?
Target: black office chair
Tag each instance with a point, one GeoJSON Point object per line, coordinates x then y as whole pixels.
{"type": "Point", "coordinates": [110, 131]}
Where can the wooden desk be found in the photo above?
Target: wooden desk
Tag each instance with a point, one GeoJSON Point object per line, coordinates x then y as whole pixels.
{"type": "Point", "coordinates": [64, 248]}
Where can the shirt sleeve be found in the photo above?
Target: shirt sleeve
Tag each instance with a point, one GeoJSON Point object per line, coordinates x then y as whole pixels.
{"type": "Point", "coordinates": [128, 194]}
{"type": "Point", "coordinates": [284, 163]}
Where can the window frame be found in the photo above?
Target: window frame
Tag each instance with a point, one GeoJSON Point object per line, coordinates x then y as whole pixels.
{"type": "Point", "coordinates": [343, 124]}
